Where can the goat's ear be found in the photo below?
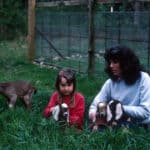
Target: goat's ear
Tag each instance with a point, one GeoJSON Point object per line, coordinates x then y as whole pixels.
{"type": "Point", "coordinates": [55, 112]}
{"type": "Point", "coordinates": [109, 114]}
{"type": "Point", "coordinates": [119, 111]}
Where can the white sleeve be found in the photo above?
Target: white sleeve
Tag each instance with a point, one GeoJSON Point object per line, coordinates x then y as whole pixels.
{"type": "Point", "coordinates": [142, 111]}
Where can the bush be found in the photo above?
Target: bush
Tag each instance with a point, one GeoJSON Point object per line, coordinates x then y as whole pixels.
{"type": "Point", "coordinates": [13, 19]}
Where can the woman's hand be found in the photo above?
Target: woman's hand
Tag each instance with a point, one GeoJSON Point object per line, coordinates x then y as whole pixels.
{"type": "Point", "coordinates": [92, 116]}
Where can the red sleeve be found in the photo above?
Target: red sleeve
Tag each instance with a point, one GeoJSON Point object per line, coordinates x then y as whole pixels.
{"type": "Point", "coordinates": [51, 103]}
{"type": "Point", "coordinates": [77, 112]}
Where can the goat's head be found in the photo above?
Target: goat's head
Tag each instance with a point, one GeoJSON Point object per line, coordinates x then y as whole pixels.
{"type": "Point", "coordinates": [64, 113]}
{"type": "Point", "coordinates": [102, 109]}
{"type": "Point", "coordinates": [99, 120]}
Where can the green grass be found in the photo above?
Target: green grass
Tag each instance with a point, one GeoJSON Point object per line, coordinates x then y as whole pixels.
{"type": "Point", "coordinates": [20, 129]}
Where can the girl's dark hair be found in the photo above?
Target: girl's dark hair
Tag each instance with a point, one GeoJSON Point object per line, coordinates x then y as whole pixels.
{"type": "Point", "coordinates": [69, 75]}
{"type": "Point", "coordinates": [129, 63]}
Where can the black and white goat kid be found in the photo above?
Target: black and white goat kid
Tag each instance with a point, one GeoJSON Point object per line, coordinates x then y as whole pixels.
{"type": "Point", "coordinates": [61, 113]}
{"type": "Point", "coordinates": [115, 114]}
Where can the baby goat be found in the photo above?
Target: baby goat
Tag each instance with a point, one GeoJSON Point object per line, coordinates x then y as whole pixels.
{"type": "Point", "coordinates": [61, 113]}
{"type": "Point", "coordinates": [18, 89]}
{"type": "Point", "coordinates": [115, 113]}
{"type": "Point", "coordinates": [100, 118]}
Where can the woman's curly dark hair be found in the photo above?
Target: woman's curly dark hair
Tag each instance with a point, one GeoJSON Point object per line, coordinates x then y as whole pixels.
{"type": "Point", "coordinates": [129, 63]}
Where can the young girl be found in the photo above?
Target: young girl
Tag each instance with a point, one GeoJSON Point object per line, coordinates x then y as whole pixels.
{"type": "Point", "coordinates": [65, 86]}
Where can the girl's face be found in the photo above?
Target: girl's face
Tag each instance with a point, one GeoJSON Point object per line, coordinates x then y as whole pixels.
{"type": "Point", "coordinates": [115, 68]}
{"type": "Point", "coordinates": [64, 87]}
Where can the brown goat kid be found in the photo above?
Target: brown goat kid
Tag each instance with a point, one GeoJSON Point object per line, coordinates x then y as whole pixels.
{"type": "Point", "coordinates": [19, 89]}
{"type": "Point", "coordinates": [100, 119]}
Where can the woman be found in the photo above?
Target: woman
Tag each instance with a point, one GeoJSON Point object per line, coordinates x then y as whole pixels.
{"type": "Point", "coordinates": [127, 83]}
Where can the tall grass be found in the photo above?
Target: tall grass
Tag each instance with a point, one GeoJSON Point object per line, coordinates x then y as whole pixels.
{"type": "Point", "coordinates": [20, 129]}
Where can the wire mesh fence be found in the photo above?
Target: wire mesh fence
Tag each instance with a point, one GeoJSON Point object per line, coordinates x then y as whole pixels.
{"type": "Point", "coordinates": [62, 37]}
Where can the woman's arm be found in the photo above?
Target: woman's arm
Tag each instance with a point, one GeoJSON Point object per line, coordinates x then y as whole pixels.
{"type": "Point", "coordinates": [102, 96]}
{"type": "Point", "coordinates": [142, 110]}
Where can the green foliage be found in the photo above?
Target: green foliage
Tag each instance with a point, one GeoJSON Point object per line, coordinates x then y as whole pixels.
{"type": "Point", "coordinates": [20, 129]}
{"type": "Point", "coordinates": [13, 19]}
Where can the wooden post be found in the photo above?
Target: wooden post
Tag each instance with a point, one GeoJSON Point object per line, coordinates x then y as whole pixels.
{"type": "Point", "coordinates": [31, 29]}
{"type": "Point", "coordinates": [148, 54]}
{"type": "Point", "coordinates": [1, 25]}
{"type": "Point", "coordinates": [136, 12]}
{"type": "Point", "coordinates": [91, 37]}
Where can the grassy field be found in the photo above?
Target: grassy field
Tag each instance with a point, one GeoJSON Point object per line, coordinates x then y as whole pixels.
{"type": "Point", "coordinates": [20, 129]}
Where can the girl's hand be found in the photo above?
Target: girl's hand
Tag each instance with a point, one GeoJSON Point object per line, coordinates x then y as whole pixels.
{"type": "Point", "coordinates": [51, 109]}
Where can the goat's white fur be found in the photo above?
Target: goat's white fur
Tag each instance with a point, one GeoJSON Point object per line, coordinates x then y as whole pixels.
{"type": "Point", "coordinates": [64, 105]}
{"type": "Point", "coordinates": [109, 114]}
{"type": "Point", "coordinates": [56, 110]}
{"type": "Point", "coordinates": [119, 111]}
{"type": "Point", "coordinates": [10, 105]}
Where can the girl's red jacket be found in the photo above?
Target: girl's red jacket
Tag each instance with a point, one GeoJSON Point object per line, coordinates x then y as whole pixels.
{"type": "Point", "coordinates": [76, 112]}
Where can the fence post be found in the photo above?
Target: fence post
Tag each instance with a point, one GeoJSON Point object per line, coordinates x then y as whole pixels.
{"type": "Point", "coordinates": [148, 47]}
{"type": "Point", "coordinates": [1, 25]}
{"type": "Point", "coordinates": [91, 37]}
{"type": "Point", "coordinates": [119, 28]}
{"type": "Point", "coordinates": [31, 29]}
{"type": "Point", "coordinates": [105, 38]}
